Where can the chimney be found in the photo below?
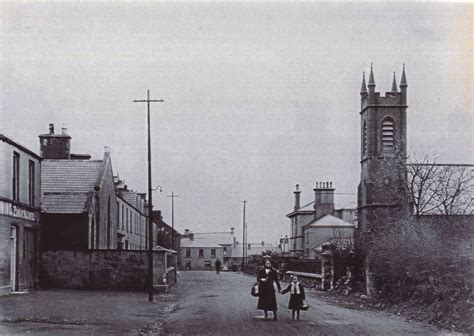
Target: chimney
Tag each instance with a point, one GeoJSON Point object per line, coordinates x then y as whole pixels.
{"type": "Point", "coordinates": [297, 193]}
{"type": "Point", "coordinates": [323, 199]}
{"type": "Point", "coordinates": [55, 146]}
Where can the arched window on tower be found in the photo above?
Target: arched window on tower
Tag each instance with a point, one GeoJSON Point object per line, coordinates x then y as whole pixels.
{"type": "Point", "coordinates": [388, 133]}
{"type": "Point", "coordinates": [364, 138]}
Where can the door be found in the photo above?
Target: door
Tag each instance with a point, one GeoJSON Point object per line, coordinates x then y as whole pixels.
{"type": "Point", "coordinates": [13, 258]}
{"type": "Point", "coordinates": [29, 258]}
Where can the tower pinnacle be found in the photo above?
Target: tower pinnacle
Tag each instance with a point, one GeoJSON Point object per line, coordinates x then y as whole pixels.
{"type": "Point", "coordinates": [403, 80]}
{"type": "Point", "coordinates": [371, 77]}
{"type": "Point", "coordinates": [363, 87]}
{"type": "Point", "coordinates": [394, 83]}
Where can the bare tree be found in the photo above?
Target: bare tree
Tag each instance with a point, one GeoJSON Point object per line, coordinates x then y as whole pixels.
{"type": "Point", "coordinates": [443, 189]}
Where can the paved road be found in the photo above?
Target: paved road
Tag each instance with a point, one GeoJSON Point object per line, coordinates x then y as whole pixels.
{"type": "Point", "coordinates": [213, 304]}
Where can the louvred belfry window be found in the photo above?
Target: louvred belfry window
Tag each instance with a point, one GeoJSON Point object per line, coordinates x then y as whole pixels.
{"type": "Point", "coordinates": [388, 133]}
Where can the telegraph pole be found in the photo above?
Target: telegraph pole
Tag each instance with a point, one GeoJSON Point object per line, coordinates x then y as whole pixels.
{"type": "Point", "coordinates": [244, 247]}
{"type": "Point", "coordinates": [173, 196]}
{"type": "Point", "coordinates": [150, 198]}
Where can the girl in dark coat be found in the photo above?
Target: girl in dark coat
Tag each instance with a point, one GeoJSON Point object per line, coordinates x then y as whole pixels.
{"type": "Point", "coordinates": [296, 297]}
{"type": "Point", "coordinates": [267, 300]}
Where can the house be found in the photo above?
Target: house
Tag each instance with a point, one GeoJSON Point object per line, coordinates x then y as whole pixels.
{"type": "Point", "coordinates": [20, 193]}
{"type": "Point", "coordinates": [78, 204]}
{"type": "Point", "coordinates": [132, 229]}
{"type": "Point", "coordinates": [327, 230]}
{"type": "Point", "coordinates": [310, 223]}
{"type": "Point", "coordinates": [199, 251]}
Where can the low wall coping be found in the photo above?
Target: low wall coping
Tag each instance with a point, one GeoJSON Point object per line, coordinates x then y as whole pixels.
{"type": "Point", "coordinates": [305, 274]}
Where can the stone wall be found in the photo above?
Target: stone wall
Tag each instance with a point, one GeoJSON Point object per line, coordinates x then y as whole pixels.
{"type": "Point", "coordinates": [102, 269]}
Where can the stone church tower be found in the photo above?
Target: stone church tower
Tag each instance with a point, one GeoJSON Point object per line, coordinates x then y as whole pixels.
{"type": "Point", "coordinates": [381, 192]}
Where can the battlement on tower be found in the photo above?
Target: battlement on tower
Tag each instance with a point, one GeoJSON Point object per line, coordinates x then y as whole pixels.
{"type": "Point", "coordinates": [390, 99]}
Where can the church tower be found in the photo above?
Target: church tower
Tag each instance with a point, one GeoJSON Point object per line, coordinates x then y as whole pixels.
{"type": "Point", "coordinates": [381, 192]}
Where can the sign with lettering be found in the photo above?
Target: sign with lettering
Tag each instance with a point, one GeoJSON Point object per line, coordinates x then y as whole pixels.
{"type": "Point", "coordinates": [9, 209]}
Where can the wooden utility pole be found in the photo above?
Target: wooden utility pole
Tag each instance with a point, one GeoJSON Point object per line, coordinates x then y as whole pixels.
{"type": "Point", "coordinates": [173, 196]}
{"type": "Point", "coordinates": [150, 199]}
{"type": "Point", "coordinates": [244, 234]}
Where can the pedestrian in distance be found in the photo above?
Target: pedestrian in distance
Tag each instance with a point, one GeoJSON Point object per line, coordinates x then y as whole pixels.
{"type": "Point", "coordinates": [296, 297]}
{"type": "Point", "coordinates": [218, 265]}
{"type": "Point", "coordinates": [266, 278]}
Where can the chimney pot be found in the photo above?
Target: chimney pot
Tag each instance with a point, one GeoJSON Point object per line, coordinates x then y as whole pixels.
{"type": "Point", "coordinates": [51, 128]}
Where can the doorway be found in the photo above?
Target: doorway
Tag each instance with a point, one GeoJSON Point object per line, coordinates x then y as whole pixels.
{"type": "Point", "coordinates": [14, 258]}
{"type": "Point", "coordinates": [29, 258]}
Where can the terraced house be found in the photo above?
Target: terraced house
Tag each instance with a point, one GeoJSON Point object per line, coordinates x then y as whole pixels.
{"type": "Point", "coordinates": [20, 171]}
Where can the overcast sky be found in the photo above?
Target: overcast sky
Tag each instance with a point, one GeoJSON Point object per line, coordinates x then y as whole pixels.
{"type": "Point", "coordinates": [258, 97]}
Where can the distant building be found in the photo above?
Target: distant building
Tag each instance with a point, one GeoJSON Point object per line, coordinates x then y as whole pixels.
{"type": "Point", "coordinates": [252, 249]}
{"type": "Point", "coordinates": [20, 193]}
{"type": "Point", "coordinates": [78, 205]}
{"type": "Point", "coordinates": [199, 251]}
{"type": "Point", "coordinates": [167, 237]}
{"type": "Point", "coordinates": [317, 220]}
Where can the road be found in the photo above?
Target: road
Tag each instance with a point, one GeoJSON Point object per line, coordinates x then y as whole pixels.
{"type": "Point", "coordinates": [204, 303]}
{"type": "Point", "coordinates": [213, 304]}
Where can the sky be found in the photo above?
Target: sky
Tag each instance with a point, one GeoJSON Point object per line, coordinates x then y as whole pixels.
{"type": "Point", "coordinates": [258, 96]}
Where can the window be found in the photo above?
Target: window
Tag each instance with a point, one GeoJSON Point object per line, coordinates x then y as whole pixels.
{"type": "Point", "coordinates": [213, 253]}
{"type": "Point", "coordinates": [201, 253]}
{"type": "Point", "coordinates": [109, 228]}
{"type": "Point", "coordinates": [364, 138]}
{"type": "Point", "coordinates": [126, 219]}
{"type": "Point", "coordinates": [123, 218]}
{"type": "Point", "coordinates": [388, 132]}
{"type": "Point", "coordinates": [225, 250]}
{"type": "Point", "coordinates": [31, 183]}
{"type": "Point", "coordinates": [16, 177]}
{"type": "Point", "coordinates": [118, 215]}
{"type": "Point", "coordinates": [188, 253]}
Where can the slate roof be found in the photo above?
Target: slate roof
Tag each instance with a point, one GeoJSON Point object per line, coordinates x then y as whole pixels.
{"type": "Point", "coordinates": [66, 184]}
{"type": "Point", "coordinates": [219, 238]}
{"type": "Point", "coordinates": [130, 197]}
{"type": "Point", "coordinates": [64, 202]}
{"type": "Point", "coordinates": [201, 243]}
{"type": "Point", "coordinates": [304, 209]}
{"type": "Point", "coordinates": [329, 220]}
{"type": "Point", "coordinates": [210, 239]}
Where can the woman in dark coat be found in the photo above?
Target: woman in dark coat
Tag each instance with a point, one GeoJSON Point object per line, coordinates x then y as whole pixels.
{"type": "Point", "coordinates": [267, 300]}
